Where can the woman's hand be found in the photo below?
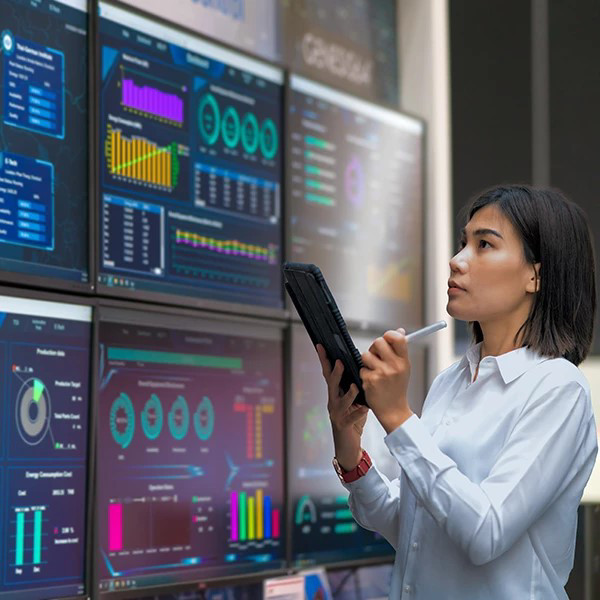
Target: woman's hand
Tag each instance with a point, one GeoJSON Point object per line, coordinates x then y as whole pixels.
{"type": "Point", "coordinates": [347, 419]}
{"type": "Point", "coordinates": [385, 378]}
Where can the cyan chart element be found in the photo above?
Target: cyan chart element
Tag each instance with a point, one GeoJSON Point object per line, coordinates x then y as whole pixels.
{"type": "Point", "coordinates": [269, 141]}
{"type": "Point", "coordinates": [26, 201]}
{"type": "Point", "coordinates": [34, 86]}
{"type": "Point", "coordinates": [179, 418]}
{"type": "Point", "coordinates": [122, 420]}
{"type": "Point", "coordinates": [231, 127]}
{"type": "Point", "coordinates": [250, 133]}
{"type": "Point", "coordinates": [209, 119]}
{"type": "Point", "coordinates": [204, 419]}
{"type": "Point", "coordinates": [33, 411]}
{"type": "Point", "coordinates": [152, 417]}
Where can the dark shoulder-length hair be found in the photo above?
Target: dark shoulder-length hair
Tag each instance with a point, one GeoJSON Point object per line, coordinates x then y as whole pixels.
{"type": "Point", "coordinates": [555, 233]}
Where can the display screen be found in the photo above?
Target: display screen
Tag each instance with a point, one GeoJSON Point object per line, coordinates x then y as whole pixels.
{"type": "Point", "coordinates": [190, 431]}
{"type": "Point", "coordinates": [356, 201]}
{"type": "Point", "coordinates": [43, 138]}
{"type": "Point", "coordinates": [323, 529]}
{"type": "Point", "coordinates": [190, 165]}
{"type": "Point", "coordinates": [45, 366]}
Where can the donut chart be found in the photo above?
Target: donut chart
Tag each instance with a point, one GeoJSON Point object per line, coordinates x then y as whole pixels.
{"type": "Point", "coordinates": [204, 419]}
{"type": "Point", "coordinates": [209, 119]}
{"type": "Point", "coordinates": [33, 411]}
{"type": "Point", "coordinates": [122, 420]}
{"type": "Point", "coordinates": [179, 418]}
{"type": "Point", "coordinates": [152, 417]}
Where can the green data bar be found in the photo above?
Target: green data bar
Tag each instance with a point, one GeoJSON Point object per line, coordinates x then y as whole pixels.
{"type": "Point", "coordinates": [243, 516]}
{"type": "Point", "coordinates": [20, 542]}
{"type": "Point", "coordinates": [318, 199]}
{"type": "Point", "coordinates": [175, 358]}
{"type": "Point", "coordinates": [314, 141]}
{"type": "Point", "coordinates": [342, 500]}
{"type": "Point", "coordinates": [37, 537]}
{"type": "Point", "coordinates": [345, 528]}
{"type": "Point", "coordinates": [311, 169]}
{"type": "Point", "coordinates": [343, 514]}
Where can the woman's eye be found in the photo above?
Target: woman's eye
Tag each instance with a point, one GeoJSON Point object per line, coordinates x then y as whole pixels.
{"type": "Point", "coordinates": [484, 244]}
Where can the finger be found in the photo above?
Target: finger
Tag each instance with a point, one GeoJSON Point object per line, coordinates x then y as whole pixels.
{"type": "Point", "coordinates": [383, 350]}
{"type": "Point", "coordinates": [398, 342]}
{"type": "Point", "coordinates": [325, 364]}
{"type": "Point", "coordinates": [371, 361]}
{"type": "Point", "coordinates": [356, 413]}
{"type": "Point", "coordinates": [401, 330]}
{"type": "Point", "coordinates": [333, 382]}
{"type": "Point", "coordinates": [345, 402]}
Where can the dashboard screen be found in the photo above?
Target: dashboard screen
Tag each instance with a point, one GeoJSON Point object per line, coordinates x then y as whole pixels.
{"type": "Point", "coordinates": [323, 529]}
{"type": "Point", "coordinates": [190, 431]}
{"type": "Point", "coordinates": [356, 202]}
{"type": "Point", "coordinates": [190, 165]}
{"type": "Point", "coordinates": [44, 139]}
{"type": "Point", "coordinates": [44, 362]}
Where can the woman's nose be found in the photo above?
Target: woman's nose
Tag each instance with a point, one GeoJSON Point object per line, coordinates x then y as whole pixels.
{"type": "Point", "coordinates": [458, 263]}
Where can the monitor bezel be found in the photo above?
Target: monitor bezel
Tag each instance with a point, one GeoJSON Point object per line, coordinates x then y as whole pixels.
{"type": "Point", "coordinates": [51, 296]}
{"type": "Point", "coordinates": [193, 299]}
{"type": "Point", "coordinates": [150, 315]}
{"type": "Point", "coordinates": [352, 323]}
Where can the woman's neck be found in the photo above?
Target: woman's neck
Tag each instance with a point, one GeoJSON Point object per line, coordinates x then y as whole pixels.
{"type": "Point", "coordinates": [499, 337]}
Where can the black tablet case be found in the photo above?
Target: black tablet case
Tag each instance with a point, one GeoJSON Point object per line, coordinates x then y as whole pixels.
{"type": "Point", "coordinates": [325, 325]}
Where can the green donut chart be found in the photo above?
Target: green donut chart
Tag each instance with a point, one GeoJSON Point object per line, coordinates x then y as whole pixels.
{"type": "Point", "coordinates": [209, 119]}
{"type": "Point", "coordinates": [269, 141]}
{"type": "Point", "coordinates": [179, 418]}
{"type": "Point", "coordinates": [250, 133]}
{"type": "Point", "coordinates": [230, 127]}
{"type": "Point", "coordinates": [122, 420]}
{"type": "Point", "coordinates": [152, 417]}
{"type": "Point", "coordinates": [204, 419]}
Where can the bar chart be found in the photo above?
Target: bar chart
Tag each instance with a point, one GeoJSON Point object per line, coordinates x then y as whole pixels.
{"type": "Point", "coordinates": [141, 161]}
{"type": "Point", "coordinates": [28, 543]}
{"type": "Point", "coordinates": [254, 426]}
{"type": "Point", "coordinates": [253, 517]}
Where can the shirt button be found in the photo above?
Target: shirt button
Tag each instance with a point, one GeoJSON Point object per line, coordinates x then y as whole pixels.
{"type": "Point", "coordinates": [448, 421]}
{"type": "Point", "coordinates": [415, 545]}
{"type": "Point", "coordinates": [407, 589]}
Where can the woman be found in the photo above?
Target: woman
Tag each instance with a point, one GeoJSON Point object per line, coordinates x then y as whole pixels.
{"type": "Point", "coordinates": [494, 469]}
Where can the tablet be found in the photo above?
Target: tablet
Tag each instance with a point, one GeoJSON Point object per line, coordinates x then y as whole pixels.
{"type": "Point", "coordinates": [322, 319]}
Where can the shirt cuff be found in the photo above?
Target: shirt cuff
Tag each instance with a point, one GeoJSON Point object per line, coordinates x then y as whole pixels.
{"type": "Point", "coordinates": [369, 487]}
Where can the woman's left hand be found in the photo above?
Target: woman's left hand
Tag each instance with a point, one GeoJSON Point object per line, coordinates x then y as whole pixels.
{"type": "Point", "coordinates": [385, 378]}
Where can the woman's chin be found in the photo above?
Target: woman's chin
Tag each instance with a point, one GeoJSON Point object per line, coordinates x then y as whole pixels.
{"type": "Point", "coordinates": [456, 313]}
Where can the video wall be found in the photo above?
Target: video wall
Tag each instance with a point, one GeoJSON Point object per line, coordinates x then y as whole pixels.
{"type": "Point", "coordinates": [163, 415]}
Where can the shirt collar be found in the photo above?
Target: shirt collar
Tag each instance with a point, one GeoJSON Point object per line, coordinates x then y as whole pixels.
{"type": "Point", "coordinates": [511, 364]}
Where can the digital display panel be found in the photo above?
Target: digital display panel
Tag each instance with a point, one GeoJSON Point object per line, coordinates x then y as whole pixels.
{"type": "Point", "coordinates": [45, 362]}
{"type": "Point", "coordinates": [190, 431]}
{"type": "Point", "coordinates": [190, 166]}
{"type": "Point", "coordinates": [355, 202]}
{"type": "Point", "coordinates": [322, 526]}
{"type": "Point", "coordinates": [43, 139]}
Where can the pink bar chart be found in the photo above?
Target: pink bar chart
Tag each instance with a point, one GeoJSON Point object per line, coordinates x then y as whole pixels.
{"type": "Point", "coordinates": [152, 101]}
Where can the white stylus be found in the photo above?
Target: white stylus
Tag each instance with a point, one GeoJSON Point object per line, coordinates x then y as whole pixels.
{"type": "Point", "coordinates": [419, 333]}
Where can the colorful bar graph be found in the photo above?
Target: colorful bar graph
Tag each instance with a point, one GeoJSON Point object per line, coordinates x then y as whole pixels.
{"type": "Point", "coordinates": [254, 426]}
{"type": "Point", "coordinates": [234, 516]}
{"type": "Point", "coordinates": [115, 527]}
{"type": "Point", "coordinates": [152, 101]}
{"type": "Point", "coordinates": [243, 517]}
{"type": "Point", "coordinates": [20, 539]}
{"type": "Point", "coordinates": [252, 517]}
{"type": "Point", "coordinates": [37, 537]}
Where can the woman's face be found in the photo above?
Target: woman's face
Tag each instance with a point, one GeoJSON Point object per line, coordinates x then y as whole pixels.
{"type": "Point", "coordinates": [489, 277]}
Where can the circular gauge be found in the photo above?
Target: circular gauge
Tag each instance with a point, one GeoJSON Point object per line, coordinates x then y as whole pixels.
{"type": "Point", "coordinates": [231, 127]}
{"type": "Point", "coordinates": [152, 417]}
{"type": "Point", "coordinates": [179, 418]}
{"type": "Point", "coordinates": [204, 419]}
{"type": "Point", "coordinates": [269, 141]}
{"type": "Point", "coordinates": [209, 119]}
{"type": "Point", "coordinates": [122, 420]}
{"type": "Point", "coordinates": [250, 133]}
{"type": "Point", "coordinates": [33, 411]}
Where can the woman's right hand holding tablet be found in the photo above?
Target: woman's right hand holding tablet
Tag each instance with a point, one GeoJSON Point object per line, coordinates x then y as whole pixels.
{"type": "Point", "coordinates": [347, 419]}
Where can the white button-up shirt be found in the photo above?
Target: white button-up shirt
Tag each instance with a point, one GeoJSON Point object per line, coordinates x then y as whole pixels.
{"type": "Point", "coordinates": [492, 475]}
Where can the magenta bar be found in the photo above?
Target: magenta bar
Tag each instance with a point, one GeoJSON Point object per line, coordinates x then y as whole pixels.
{"type": "Point", "coordinates": [275, 527]}
{"type": "Point", "coordinates": [234, 516]}
{"type": "Point", "coordinates": [115, 527]}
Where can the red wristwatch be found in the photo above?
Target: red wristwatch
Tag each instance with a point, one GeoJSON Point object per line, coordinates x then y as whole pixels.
{"type": "Point", "coordinates": [361, 468]}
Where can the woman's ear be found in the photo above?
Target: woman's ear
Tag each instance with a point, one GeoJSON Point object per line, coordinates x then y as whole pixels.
{"type": "Point", "coordinates": [533, 285]}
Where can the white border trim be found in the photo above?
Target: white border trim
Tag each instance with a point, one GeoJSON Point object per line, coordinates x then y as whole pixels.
{"type": "Point", "coordinates": [76, 4]}
{"type": "Point", "coordinates": [45, 309]}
